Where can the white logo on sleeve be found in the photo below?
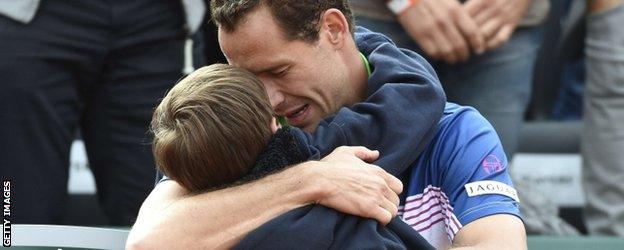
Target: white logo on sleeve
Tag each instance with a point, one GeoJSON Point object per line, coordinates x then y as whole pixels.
{"type": "Point", "coordinates": [491, 187]}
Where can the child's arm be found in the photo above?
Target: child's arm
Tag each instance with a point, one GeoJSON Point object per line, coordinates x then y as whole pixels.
{"type": "Point", "coordinates": [398, 118]}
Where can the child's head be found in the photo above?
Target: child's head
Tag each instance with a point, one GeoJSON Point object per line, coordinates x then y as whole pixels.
{"type": "Point", "coordinates": [211, 126]}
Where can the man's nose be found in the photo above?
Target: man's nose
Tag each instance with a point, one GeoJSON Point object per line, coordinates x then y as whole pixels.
{"type": "Point", "coordinates": [275, 95]}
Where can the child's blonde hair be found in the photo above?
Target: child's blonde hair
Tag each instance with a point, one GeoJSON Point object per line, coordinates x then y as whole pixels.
{"type": "Point", "coordinates": [211, 126]}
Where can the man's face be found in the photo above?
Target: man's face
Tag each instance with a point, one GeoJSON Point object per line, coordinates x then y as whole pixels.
{"type": "Point", "coordinates": [305, 81]}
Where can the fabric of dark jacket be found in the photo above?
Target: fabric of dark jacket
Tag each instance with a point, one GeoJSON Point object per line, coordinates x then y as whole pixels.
{"type": "Point", "coordinates": [317, 226]}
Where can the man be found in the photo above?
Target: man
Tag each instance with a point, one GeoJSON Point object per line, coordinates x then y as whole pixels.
{"type": "Point", "coordinates": [309, 74]}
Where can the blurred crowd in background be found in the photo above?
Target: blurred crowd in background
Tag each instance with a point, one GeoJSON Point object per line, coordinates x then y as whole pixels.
{"type": "Point", "coordinates": [95, 70]}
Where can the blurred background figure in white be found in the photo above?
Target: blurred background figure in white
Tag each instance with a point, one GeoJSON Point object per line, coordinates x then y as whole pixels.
{"type": "Point", "coordinates": [94, 66]}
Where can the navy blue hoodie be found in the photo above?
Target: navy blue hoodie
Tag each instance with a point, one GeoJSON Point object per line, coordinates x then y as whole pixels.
{"type": "Point", "coordinates": [405, 102]}
{"type": "Point", "coordinates": [399, 117]}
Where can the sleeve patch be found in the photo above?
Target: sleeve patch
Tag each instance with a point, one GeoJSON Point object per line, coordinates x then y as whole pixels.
{"type": "Point", "coordinates": [491, 187]}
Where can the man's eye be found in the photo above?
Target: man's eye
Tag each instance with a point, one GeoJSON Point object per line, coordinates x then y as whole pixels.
{"type": "Point", "coordinates": [281, 72]}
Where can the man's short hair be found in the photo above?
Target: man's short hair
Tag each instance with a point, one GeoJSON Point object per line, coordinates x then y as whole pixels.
{"type": "Point", "coordinates": [210, 127]}
{"type": "Point", "coordinates": [299, 19]}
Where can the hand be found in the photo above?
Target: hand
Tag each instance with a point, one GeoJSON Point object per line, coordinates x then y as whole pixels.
{"type": "Point", "coordinates": [497, 19]}
{"type": "Point", "coordinates": [352, 186]}
{"type": "Point", "coordinates": [443, 29]}
{"type": "Point", "coordinates": [596, 6]}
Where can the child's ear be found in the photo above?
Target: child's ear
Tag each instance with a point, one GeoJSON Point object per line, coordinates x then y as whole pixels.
{"type": "Point", "coordinates": [275, 125]}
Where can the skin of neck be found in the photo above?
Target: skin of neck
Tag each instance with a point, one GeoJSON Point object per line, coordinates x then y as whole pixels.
{"type": "Point", "coordinates": [357, 75]}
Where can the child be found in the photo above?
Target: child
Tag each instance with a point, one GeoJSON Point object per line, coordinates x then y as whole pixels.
{"type": "Point", "coordinates": [211, 127]}
{"type": "Point", "coordinates": [216, 127]}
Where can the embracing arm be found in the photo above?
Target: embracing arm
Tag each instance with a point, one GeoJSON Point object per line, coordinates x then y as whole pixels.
{"type": "Point", "coordinates": [217, 219]}
{"type": "Point", "coordinates": [172, 218]}
{"type": "Point", "coordinates": [509, 234]}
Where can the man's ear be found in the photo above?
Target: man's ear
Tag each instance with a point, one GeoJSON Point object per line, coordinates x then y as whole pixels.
{"type": "Point", "coordinates": [334, 28]}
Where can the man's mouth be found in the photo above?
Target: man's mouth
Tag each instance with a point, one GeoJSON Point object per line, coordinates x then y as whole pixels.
{"type": "Point", "coordinates": [298, 115]}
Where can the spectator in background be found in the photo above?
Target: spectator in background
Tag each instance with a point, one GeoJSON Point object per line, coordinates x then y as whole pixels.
{"type": "Point", "coordinates": [603, 118]}
{"type": "Point", "coordinates": [94, 65]}
{"type": "Point", "coordinates": [483, 50]}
